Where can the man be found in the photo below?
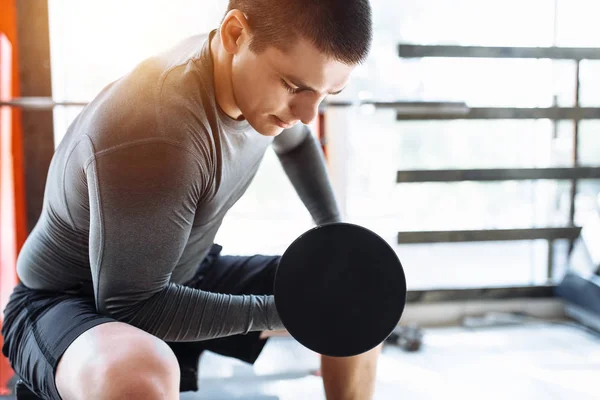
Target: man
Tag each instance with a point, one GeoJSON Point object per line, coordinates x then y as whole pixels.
{"type": "Point", "coordinates": [122, 286]}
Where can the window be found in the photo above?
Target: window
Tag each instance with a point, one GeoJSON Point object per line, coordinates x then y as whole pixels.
{"type": "Point", "coordinates": [378, 145]}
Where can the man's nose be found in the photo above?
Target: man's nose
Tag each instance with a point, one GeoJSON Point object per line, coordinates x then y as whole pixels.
{"type": "Point", "coordinates": [307, 109]}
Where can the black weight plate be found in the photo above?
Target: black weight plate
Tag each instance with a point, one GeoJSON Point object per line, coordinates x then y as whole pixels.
{"type": "Point", "coordinates": [340, 289]}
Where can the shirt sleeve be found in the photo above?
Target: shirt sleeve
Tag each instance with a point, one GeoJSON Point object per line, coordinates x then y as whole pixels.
{"type": "Point", "coordinates": [304, 164]}
{"type": "Point", "coordinates": [143, 198]}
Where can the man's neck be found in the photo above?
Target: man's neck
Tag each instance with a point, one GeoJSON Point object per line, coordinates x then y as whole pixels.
{"type": "Point", "coordinates": [222, 75]}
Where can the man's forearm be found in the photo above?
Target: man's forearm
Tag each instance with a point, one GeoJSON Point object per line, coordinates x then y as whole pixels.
{"type": "Point", "coordinates": [306, 168]}
{"type": "Point", "coordinates": [179, 313]}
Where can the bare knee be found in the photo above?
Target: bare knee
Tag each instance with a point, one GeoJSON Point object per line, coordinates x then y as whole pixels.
{"type": "Point", "coordinates": [124, 363]}
{"type": "Point", "coordinates": [139, 372]}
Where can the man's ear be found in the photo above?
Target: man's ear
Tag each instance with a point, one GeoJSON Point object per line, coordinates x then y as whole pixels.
{"type": "Point", "coordinates": [234, 31]}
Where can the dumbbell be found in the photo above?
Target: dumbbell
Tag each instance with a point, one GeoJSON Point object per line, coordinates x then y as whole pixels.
{"type": "Point", "coordinates": [340, 289]}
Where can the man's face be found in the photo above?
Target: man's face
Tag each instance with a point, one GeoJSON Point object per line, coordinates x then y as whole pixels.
{"type": "Point", "coordinates": [274, 90]}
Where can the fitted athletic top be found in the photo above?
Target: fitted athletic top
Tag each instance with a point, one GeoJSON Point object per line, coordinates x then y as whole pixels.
{"type": "Point", "coordinates": [138, 188]}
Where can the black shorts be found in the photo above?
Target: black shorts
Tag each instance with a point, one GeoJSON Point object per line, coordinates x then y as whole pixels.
{"type": "Point", "coordinates": [39, 326]}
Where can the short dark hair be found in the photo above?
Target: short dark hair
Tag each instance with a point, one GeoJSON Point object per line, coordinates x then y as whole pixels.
{"type": "Point", "coordinates": [342, 29]}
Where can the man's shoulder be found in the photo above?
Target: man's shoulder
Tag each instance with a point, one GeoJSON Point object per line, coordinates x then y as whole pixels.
{"type": "Point", "coordinates": [153, 100]}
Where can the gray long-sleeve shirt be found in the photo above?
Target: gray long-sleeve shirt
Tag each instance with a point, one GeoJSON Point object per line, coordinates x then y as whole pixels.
{"type": "Point", "coordinates": [138, 188]}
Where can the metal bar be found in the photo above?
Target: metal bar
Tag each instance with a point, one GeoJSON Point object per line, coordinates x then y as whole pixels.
{"type": "Point", "coordinates": [555, 122]}
{"type": "Point", "coordinates": [555, 24]}
{"type": "Point", "coordinates": [11, 207]}
{"type": "Point", "coordinates": [488, 175]}
{"type": "Point", "coordinates": [33, 50]}
{"type": "Point", "coordinates": [575, 154]}
{"type": "Point", "coordinates": [550, 266]}
{"type": "Point", "coordinates": [490, 293]}
{"type": "Point", "coordinates": [553, 113]}
{"type": "Point", "coordinates": [47, 103]}
{"type": "Point", "coordinates": [555, 53]}
{"type": "Point", "coordinates": [40, 103]}
{"type": "Point", "coordinates": [407, 106]}
{"type": "Point", "coordinates": [488, 235]}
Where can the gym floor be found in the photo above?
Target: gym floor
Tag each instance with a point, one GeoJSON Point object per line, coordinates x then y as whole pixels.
{"type": "Point", "coordinates": [539, 360]}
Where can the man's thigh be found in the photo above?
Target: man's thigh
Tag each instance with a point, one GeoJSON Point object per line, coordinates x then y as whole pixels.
{"type": "Point", "coordinates": [38, 328]}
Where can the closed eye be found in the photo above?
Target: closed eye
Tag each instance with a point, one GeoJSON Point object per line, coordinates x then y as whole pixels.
{"type": "Point", "coordinates": [302, 88]}
{"type": "Point", "coordinates": [289, 88]}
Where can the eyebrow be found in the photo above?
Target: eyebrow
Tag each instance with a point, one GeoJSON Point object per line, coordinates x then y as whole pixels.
{"type": "Point", "coordinates": [302, 86]}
